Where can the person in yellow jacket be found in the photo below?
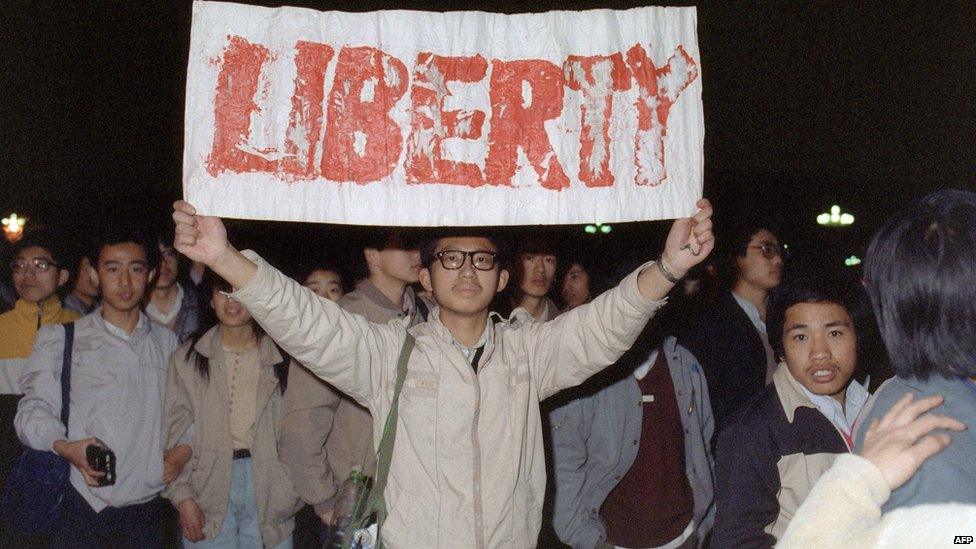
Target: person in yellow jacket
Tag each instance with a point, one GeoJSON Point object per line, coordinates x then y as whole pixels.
{"type": "Point", "coordinates": [38, 271]}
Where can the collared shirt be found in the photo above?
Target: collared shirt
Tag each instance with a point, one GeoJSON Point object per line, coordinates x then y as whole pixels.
{"type": "Point", "coordinates": [753, 313]}
{"type": "Point", "coordinates": [117, 384]}
{"type": "Point", "coordinates": [469, 352]}
{"type": "Point", "coordinates": [842, 417]}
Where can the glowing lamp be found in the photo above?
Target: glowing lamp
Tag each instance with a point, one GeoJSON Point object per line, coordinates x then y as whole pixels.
{"type": "Point", "coordinates": [13, 227]}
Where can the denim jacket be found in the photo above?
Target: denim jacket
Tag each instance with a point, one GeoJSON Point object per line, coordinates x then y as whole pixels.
{"type": "Point", "coordinates": [589, 458]}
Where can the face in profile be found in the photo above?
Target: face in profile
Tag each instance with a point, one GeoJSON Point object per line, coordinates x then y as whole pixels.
{"type": "Point", "coordinates": [31, 282]}
{"type": "Point", "coordinates": [762, 266]}
{"type": "Point", "coordinates": [325, 283]}
{"type": "Point", "coordinates": [538, 272]}
{"type": "Point", "coordinates": [820, 347]}
{"type": "Point", "coordinates": [464, 290]}
{"type": "Point", "coordinates": [576, 286]}
{"type": "Point", "coordinates": [396, 263]}
{"type": "Point", "coordinates": [123, 273]}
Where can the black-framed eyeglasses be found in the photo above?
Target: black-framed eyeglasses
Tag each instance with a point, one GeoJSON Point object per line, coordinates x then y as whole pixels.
{"type": "Point", "coordinates": [453, 260]}
{"type": "Point", "coordinates": [770, 250]}
{"type": "Point", "coordinates": [39, 264]}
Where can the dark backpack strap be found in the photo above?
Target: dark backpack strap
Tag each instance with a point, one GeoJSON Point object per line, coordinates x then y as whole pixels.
{"type": "Point", "coordinates": [69, 340]}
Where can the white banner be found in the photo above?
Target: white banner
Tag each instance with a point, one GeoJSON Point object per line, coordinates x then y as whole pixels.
{"type": "Point", "coordinates": [427, 119]}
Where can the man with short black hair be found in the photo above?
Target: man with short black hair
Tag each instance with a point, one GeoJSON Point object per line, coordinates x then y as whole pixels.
{"type": "Point", "coordinates": [776, 446]}
{"type": "Point", "coordinates": [468, 466]}
{"type": "Point", "coordinates": [119, 364]}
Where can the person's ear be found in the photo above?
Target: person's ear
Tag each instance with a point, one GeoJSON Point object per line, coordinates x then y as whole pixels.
{"type": "Point", "coordinates": [502, 280]}
{"type": "Point", "coordinates": [372, 256]}
{"type": "Point", "coordinates": [152, 278]}
{"type": "Point", "coordinates": [93, 273]}
{"type": "Point", "coordinates": [425, 279]}
{"type": "Point", "coordinates": [63, 275]}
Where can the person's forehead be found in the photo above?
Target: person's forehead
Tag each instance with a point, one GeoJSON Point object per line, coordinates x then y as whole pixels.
{"type": "Point", "coordinates": [576, 268]}
{"type": "Point", "coordinates": [323, 275]}
{"type": "Point", "coordinates": [816, 314]}
{"type": "Point", "coordinates": [124, 251]}
{"type": "Point", "coordinates": [32, 252]}
{"type": "Point", "coordinates": [466, 244]}
{"type": "Point", "coordinates": [764, 235]}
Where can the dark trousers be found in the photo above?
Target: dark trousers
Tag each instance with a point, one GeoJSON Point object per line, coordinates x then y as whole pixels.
{"type": "Point", "coordinates": [136, 526]}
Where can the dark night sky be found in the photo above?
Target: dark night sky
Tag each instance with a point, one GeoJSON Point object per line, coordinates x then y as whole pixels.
{"type": "Point", "coordinates": [868, 105]}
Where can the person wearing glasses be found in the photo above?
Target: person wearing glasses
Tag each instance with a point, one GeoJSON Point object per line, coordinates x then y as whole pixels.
{"type": "Point", "coordinates": [468, 467]}
{"type": "Point", "coordinates": [729, 335]}
{"type": "Point", "coordinates": [173, 303]}
{"type": "Point", "coordinates": [37, 271]}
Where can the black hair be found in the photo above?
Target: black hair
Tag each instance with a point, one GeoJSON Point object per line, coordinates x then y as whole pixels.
{"type": "Point", "coordinates": [208, 319]}
{"type": "Point", "coordinates": [535, 244]}
{"type": "Point", "coordinates": [734, 241]}
{"type": "Point", "coordinates": [49, 241]}
{"type": "Point", "coordinates": [805, 290]}
{"type": "Point", "coordinates": [599, 273]}
{"type": "Point", "coordinates": [500, 243]}
{"type": "Point", "coordinates": [378, 238]}
{"type": "Point", "coordinates": [344, 280]}
{"type": "Point", "coordinates": [920, 272]}
{"type": "Point", "coordinates": [123, 234]}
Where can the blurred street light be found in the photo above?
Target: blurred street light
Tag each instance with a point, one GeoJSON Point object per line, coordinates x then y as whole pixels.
{"type": "Point", "coordinates": [13, 227]}
{"type": "Point", "coordinates": [835, 218]}
{"type": "Point", "coordinates": [597, 228]}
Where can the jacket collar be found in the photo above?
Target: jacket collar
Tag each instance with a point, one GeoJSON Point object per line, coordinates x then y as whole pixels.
{"type": "Point", "coordinates": [371, 292]}
{"type": "Point", "coordinates": [209, 346]}
{"type": "Point", "coordinates": [49, 309]}
{"type": "Point", "coordinates": [143, 326]}
{"type": "Point", "coordinates": [790, 394]}
{"type": "Point", "coordinates": [441, 331]}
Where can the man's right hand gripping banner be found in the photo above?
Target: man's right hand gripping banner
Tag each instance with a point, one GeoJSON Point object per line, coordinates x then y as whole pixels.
{"type": "Point", "coordinates": [427, 119]}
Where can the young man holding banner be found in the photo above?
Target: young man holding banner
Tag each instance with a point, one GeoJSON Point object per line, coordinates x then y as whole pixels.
{"type": "Point", "coordinates": [468, 468]}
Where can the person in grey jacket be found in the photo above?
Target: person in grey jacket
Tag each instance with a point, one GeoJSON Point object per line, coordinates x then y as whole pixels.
{"type": "Point", "coordinates": [599, 440]}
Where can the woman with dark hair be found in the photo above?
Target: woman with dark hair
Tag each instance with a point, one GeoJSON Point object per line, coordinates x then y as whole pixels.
{"type": "Point", "coordinates": [729, 336]}
{"type": "Point", "coordinates": [224, 398]}
{"type": "Point", "coordinates": [920, 273]}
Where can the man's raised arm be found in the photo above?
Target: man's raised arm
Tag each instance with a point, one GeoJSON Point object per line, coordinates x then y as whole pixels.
{"type": "Point", "coordinates": [342, 348]}
{"type": "Point", "coordinates": [590, 337]}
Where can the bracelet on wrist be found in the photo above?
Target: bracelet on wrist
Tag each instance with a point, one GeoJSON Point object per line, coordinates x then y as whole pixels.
{"type": "Point", "coordinates": [666, 271]}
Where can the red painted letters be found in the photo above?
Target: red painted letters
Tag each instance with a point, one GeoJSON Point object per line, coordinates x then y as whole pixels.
{"type": "Point", "coordinates": [524, 95]}
{"type": "Point", "coordinates": [362, 142]}
{"type": "Point", "coordinates": [659, 88]}
{"type": "Point", "coordinates": [597, 77]}
{"type": "Point", "coordinates": [430, 124]}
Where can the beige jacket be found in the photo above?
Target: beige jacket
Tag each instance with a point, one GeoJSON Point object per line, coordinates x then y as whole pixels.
{"type": "Point", "coordinates": [192, 400]}
{"type": "Point", "coordinates": [844, 510]}
{"type": "Point", "coordinates": [468, 467]}
{"type": "Point", "coordinates": [326, 434]}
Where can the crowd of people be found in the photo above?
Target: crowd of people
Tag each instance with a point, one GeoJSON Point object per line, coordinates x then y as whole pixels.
{"type": "Point", "coordinates": [536, 395]}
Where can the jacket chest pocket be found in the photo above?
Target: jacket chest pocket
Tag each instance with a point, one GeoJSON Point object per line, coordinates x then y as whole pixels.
{"type": "Point", "coordinates": [418, 405]}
